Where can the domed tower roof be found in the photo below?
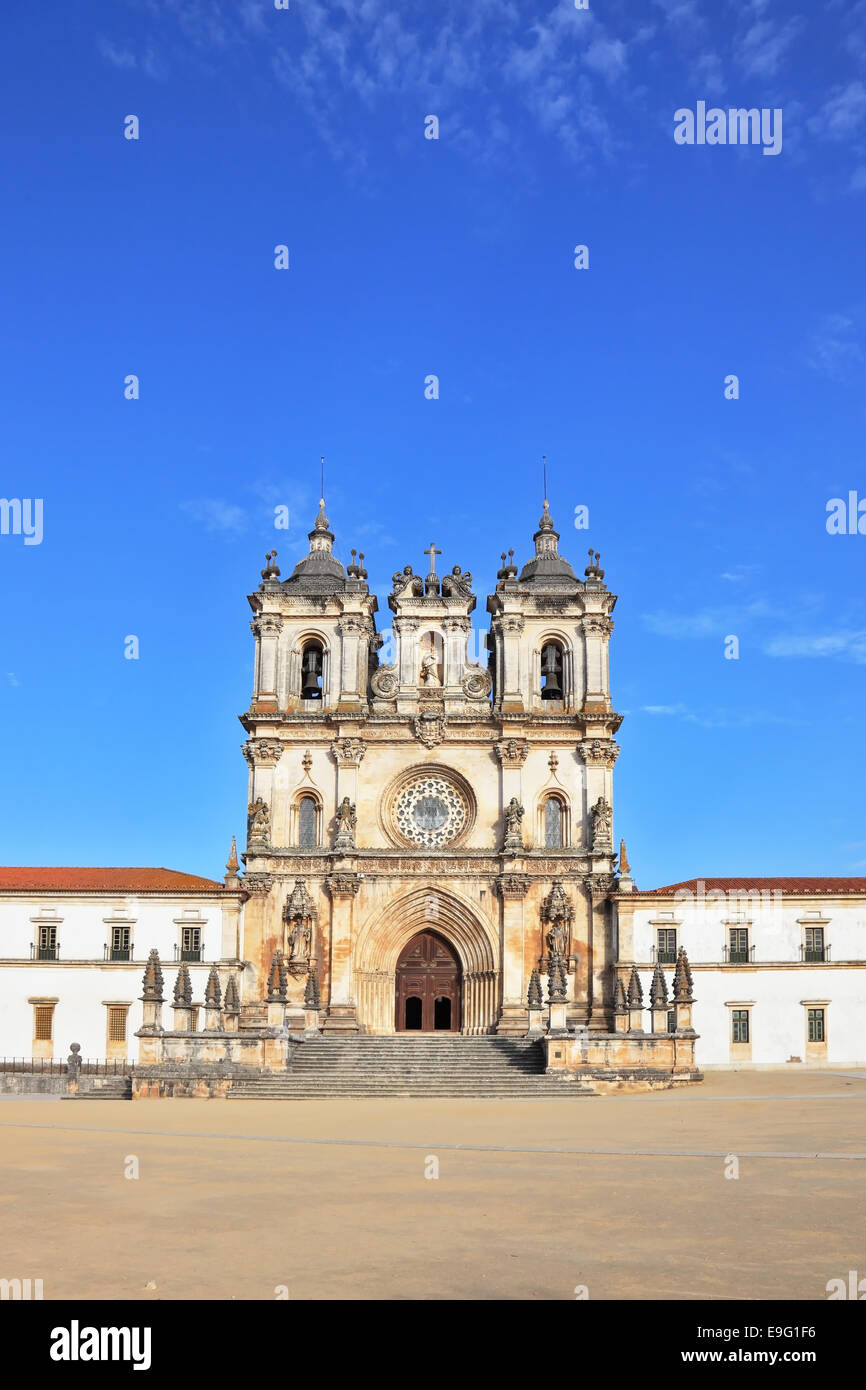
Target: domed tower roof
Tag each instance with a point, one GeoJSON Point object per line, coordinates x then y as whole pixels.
{"type": "Point", "coordinates": [548, 568]}
{"type": "Point", "coordinates": [320, 572]}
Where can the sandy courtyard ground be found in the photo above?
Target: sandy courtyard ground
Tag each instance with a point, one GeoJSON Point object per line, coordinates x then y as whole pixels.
{"type": "Point", "coordinates": [626, 1195]}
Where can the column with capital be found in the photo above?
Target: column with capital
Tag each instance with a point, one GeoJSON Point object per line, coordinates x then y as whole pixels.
{"type": "Point", "coordinates": [350, 627]}
{"type": "Point", "coordinates": [267, 632]}
{"type": "Point", "coordinates": [511, 627]}
{"type": "Point", "coordinates": [342, 1014]}
{"type": "Point", "coordinates": [512, 890]}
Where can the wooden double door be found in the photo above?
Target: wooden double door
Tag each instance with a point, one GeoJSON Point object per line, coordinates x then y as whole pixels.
{"type": "Point", "coordinates": [428, 986]}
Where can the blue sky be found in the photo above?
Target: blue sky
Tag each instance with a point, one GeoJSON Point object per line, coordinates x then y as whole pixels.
{"type": "Point", "coordinates": [409, 257]}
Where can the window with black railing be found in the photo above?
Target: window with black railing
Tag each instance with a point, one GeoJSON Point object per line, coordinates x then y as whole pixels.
{"type": "Point", "coordinates": [190, 943]}
{"type": "Point", "coordinates": [813, 948]}
{"type": "Point", "coordinates": [120, 946]}
{"type": "Point", "coordinates": [738, 950]}
{"type": "Point", "coordinates": [666, 946]}
{"type": "Point", "coordinates": [47, 944]}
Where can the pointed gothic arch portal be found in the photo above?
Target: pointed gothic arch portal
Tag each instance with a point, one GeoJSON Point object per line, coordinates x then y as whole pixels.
{"type": "Point", "coordinates": [428, 986]}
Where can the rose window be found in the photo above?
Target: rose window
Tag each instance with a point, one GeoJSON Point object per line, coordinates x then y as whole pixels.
{"type": "Point", "coordinates": [430, 811]}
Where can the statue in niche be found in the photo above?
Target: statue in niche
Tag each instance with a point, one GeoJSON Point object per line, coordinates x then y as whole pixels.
{"type": "Point", "coordinates": [429, 670]}
{"type": "Point", "coordinates": [347, 822]}
{"type": "Point", "coordinates": [602, 824]}
{"type": "Point", "coordinates": [513, 833]}
{"type": "Point", "coordinates": [299, 941]}
{"type": "Point", "coordinates": [260, 821]}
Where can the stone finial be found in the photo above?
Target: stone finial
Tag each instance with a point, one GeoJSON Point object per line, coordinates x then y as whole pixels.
{"type": "Point", "coordinates": [153, 982]}
{"type": "Point", "coordinates": [533, 994]}
{"type": "Point", "coordinates": [658, 989]}
{"type": "Point", "coordinates": [182, 988]}
{"type": "Point", "coordinates": [73, 1061]}
{"type": "Point", "coordinates": [271, 569]}
{"type": "Point", "coordinates": [231, 1001]}
{"type": "Point", "coordinates": [683, 979]}
{"type": "Point", "coordinates": [311, 991]}
{"type": "Point", "coordinates": [624, 865]}
{"type": "Point", "coordinates": [635, 990]}
{"type": "Point", "coordinates": [232, 865]}
{"type": "Point", "coordinates": [557, 981]}
{"type": "Point", "coordinates": [277, 979]}
{"type": "Point", "coordinates": [593, 569]}
{"type": "Point", "coordinates": [213, 992]}
{"type": "Point", "coordinates": [620, 1003]}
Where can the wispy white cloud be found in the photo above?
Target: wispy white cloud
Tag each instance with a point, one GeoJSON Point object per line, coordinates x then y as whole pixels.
{"type": "Point", "coordinates": [12, 679]}
{"type": "Point", "coordinates": [765, 44]}
{"type": "Point", "coordinates": [720, 718]}
{"type": "Point", "coordinates": [848, 645]}
{"type": "Point", "coordinates": [216, 515]}
{"type": "Point", "coordinates": [834, 349]}
{"type": "Point", "coordinates": [116, 56]}
{"type": "Point", "coordinates": [842, 113]}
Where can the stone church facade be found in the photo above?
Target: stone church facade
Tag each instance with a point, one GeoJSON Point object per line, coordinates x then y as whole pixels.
{"type": "Point", "coordinates": [399, 789]}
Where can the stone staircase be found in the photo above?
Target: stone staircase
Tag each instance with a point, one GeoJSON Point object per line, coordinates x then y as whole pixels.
{"type": "Point", "coordinates": [420, 1066]}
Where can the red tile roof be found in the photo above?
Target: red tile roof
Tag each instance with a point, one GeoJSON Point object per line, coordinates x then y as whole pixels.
{"type": "Point", "coordinates": [51, 880]}
{"type": "Point", "coordinates": [832, 887]}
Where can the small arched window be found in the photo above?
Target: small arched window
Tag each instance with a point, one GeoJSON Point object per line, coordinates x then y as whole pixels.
{"type": "Point", "coordinates": [551, 671]}
{"type": "Point", "coordinates": [554, 827]}
{"type": "Point", "coordinates": [312, 668]}
{"type": "Point", "coordinates": [307, 822]}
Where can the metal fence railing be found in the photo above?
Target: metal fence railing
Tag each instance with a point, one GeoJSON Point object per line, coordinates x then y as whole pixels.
{"type": "Point", "coordinates": [53, 1066]}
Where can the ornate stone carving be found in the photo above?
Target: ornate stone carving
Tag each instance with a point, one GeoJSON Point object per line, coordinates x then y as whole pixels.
{"type": "Point", "coordinates": [307, 762]}
{"type": "Point", "coordinates": [430, 671]}
{"type": "Point", "coordinates": [213, 992]}
{"type": "Point", "coordinates": [533, 994]}
{"type": "Point", "coordinates": [514, 814]}
{"type": "Point", "coordinates": [513, 752]}
{"type": "Point", "coordinates": [257, 883]}
{"type": "Point", "coordinates": [558, 913]}
{"type": "Point", "coordinates": [598, 885]}
{"type": "Point", "coordinates": [457, 584]}
{"type": "Point", "coordinates": [406, 583]}
{"type": "Point", "coordinates": [557, 980]}
{"type": "Point", "coordinates": [259, 823]}
{"type": "Point", "coordinates": [267, 625]}
{"type": "Point", "coordinates": [152, 981]}
{"type": "Point", "coordinates": [477, 684]}
{"type": "Point", "coordinates": [430, 811]}
{"type": "Point", "coordinates": [384, 682]}
{"type": "Point", "coordinates": [348, 752]}
{"type": "Point", "coordinates": [430, 729]}
{"type": "Point", "coordinates": [347, 822]}
{"type": "Point", "coordinates": [343, 885]}
{"type": "Point", "coordinates": [597, 752]}
{"type": "Point", "coordinates": [278, 983]}
{"type": "Point", "coordinates": [182, 996]}
{"type": "Point", "coordinates": [512, 886]}
{"type": "Point", "coordinates": [263, 752]}
{"type": "Point", "coordinates": [299, 915]}
{"type": "Point", "coordinates": [602, 827]}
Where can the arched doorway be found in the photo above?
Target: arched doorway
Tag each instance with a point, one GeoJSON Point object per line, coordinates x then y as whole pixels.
{"type": "Point", "coordinates": [427, 986]}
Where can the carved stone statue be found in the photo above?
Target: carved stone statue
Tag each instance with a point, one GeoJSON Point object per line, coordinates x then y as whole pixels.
{"type": "Point", "coordinates": [299, 941]}
{"type": "Point", "coordinates": [602, 825]}
{"type": "Point", "coordinates": [260, 821]}
{"type": "Point", "coordinates": [347, 822]}
{"type": "Point", "coordinates": [556, 939]}
{"type": "Point", "coordinates": [513, 833]}
{"type": "Point", "coordinates": [429, 670]}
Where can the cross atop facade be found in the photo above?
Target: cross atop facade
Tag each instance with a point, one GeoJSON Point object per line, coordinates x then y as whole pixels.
{"type": "Point", "coordinates": [432, 552]}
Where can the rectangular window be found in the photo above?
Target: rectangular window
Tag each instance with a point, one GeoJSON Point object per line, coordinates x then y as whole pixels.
{"type": "Point", "coordinates": [666, 953]}
{"type": "Point", "coordinates": [117, 1023]}
{"type": "Point", "coordinates": [190, 943]}
{"type": "Point", "coordinates": [740, 1025]}
{"type": "Point", "coordinates": [46, 946]}
{"type": "Point", "coordinates": [43, 1022]}
{"type": "Point", "coordinates": [816, 1025]}
{"type": "Point", "coordinates": [672, 1020]}
{"type": "Point", "coordinates": [814, 943]}
{"type": "Point", "coordinates": [738, 953]}
{"type": "Point", "coordinates": [121, 943]}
